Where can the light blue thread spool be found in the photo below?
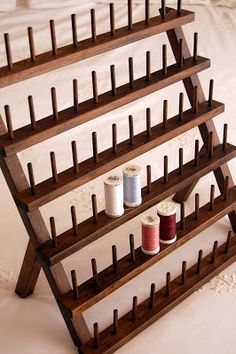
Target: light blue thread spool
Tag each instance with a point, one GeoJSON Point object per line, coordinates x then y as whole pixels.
{"type": "Point", "coordinates": [132, 185]}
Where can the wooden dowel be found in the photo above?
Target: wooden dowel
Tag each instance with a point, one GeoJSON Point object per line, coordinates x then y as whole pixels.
{"type": "Point", "coordinates": [95, 86]}
{"type": "Point", "coordinates": [93, 25]}
{"type": "Point", "coordinates": [164, 59]}
{"type": "Point", "coordinates": [9, 122]}
{"type": "Point", "coordinates": [166, 177]}
{"type": "Point", "coordinates": [8, 50]}
{"type": "Point", "coordinates": [131, 73]}
{"type": "Point", "coordinates": [95, 147]}
{"type": "Point", "coordinates": [182, 216]}
{"type": "Point", "coordinates": [195, 45]}
{"type": "Point", "coordinates": [94, 208]}
{"type": "Point", "coordinates": [148, 122]}
{"type": "Point", "coordinates": [163, 9]}
{"type": "Point", "coordinates": [75, 157]}
{"type": "Point", "coordinates": [134, 308]}
{"type": "Point", "coordinates": [179, 7]}
{"type": "Point", "coordinates": [168, 284]}
{"type": "Point", "coordinates": [196, 153]}
{"type": "Point", "coordinates": [113, 80]}
{"type": "Point", "coordinates": [181, 58]}
{"type": "Point", "coordinates": [214, 252]}
{"type": "Point", "coordinates": [196, 214]}
{"type": "Point", "coordinates": [115, 322]}
{"type": "Point", "coordinates": [180, 161]}
{"type": "Point", "coordinates": [74, 30]}
{"type": "Point", "coordinates": [149, 179]}
{"type": "Point", "coordinates": [183, 274]}
{"type": "Point", "coordinates": [31, 178]}
{"type": "Point", "coordinates": [181, 106]}
{"type": "Point", "coordinates": [131, 130]}
{"type": "Point", "coordinates": [54, 103]}
{"type": "Point", "coordinates": [74, 220]}
{"type": "Point", "coordinates": [130, 15]}
{"type": "Point", "coordinates": [53, 167]}
{"type": "Point", "coordinates": [31, 44]}
{"type": "Point", "coordinates": [210, 97]}
{"type": "Point", "coordinates": [114, 259]}
{"type": "Point", "coordinates": [165, 113]}
{"type": "Point", "coordinates": [95, 271]}
{"type": "Point", "coordinates": [32, 112]}
{"type": "Point", "coordinates": [53, 231]}
{"type": "Point", "coordinates": [199, 262]}
{"type": "Point", "coordinates": [112, 19]}
{"type": "Point", "coordinates": [75, 95]}
{"type": "Point", "coordinates": [95, 335]}
{"type": "Point", "coordinates": [53, 37]}
{"type": "Point", "coordinates": [212, 197]}
{"type": "Point", "coordinates": [74, 285]}
{"type": "Point", "coordinates": [210, 145]}
{"type": "Point", "coordinates": [195, 99]}
{"type": "Point", "coordinates": [147, 11]}
{"type": "Point", "coordinates": [132, 249]}
{"type": "Point", "coordinates": [226, 188]}
{"type": "Point", "coordinates": [227, 245]}
{"type": "Point", "coordinates": [114, 138]}
{"type": "Point", "coordinates": [148, 66]}
{"type": "Point", "coordinates": [152, 296]}
{"type": "Point", "coordinates": [225, 133]}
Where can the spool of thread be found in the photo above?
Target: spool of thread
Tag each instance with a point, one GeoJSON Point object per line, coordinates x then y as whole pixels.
{"type": "Point", "coordinates": [167, 213]}
{"type": "Point", "coordinates": [150, 234]}
{"type": "Point", "coordinates": [132, 185]}
{"type": "Point", "coordinates": [113, 190]}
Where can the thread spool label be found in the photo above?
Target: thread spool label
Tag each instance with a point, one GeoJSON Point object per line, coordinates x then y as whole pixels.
{"type": "Point", "coordinates": [150, 220]}
{"type": "Point", "coordinates": [113, 180]}
{"type": "Point", "coordinates": [132, 170]}
{"type": "Point", "coordinates": [166, 208]}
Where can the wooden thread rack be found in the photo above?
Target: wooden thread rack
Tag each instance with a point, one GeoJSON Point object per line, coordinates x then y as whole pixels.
{"type": "Point", "coordinates": [46, 249]}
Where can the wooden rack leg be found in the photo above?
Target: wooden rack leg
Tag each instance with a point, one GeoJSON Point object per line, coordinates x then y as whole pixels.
{"type": "Point", "coordinates": [174, 36]}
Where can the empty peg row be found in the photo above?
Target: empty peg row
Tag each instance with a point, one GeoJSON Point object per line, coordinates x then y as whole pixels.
{"type": "Point", "coordinates": [134, 308]}
{"type": "Point", "coordinates": [225, 133]}
{"type": "Point", "coordinates": [195, 99]}
{"type": "Point", "coordinates": [168, 289]}
{"type": "Point", "coordinates": [8, 50]}
{"type": "Point", "coordinates": [9, 122]}
{"type": "Point", "coordinates": [212, 197]}
{"type": "Point", "coordinates": [181, 161]}
{"type": "Point", "coordinates": [227, 244]}
{"type": "Point", "coordinates": [115, 322]}
{"type": "Point", "coordinates": [226, 188]}
{"type": "Point", "coordinates": [112, 19]}
{"type": "Point", "coordinates": [95, 335]}
{"type": "Point", "coordinates": [54, 103]}
{"type": "Point", "coordinates": [75, 157]}
{"type": "Point", "coordinates": [95, 272]}
{"type": "Point", "coordinates": [163, 9]}
{"type": "Point", "coordinates": [130, 15]}
{"type": "Point", "coordinates": [210, 96]}
{"type": "Point", "coordinates": [214, 252]}
{"type": "Point", "coordinates": [180, 56]}
{"type": "Point", "coordinates": [31, 178]}
{"type": "Point", "coordinates": [166, 177]}
{"type": "Point", "coordinates": [210, 145]}
{"type": "Point", "coordinates": [114, 259]}
{"type": "Point", "coordinates": [196, 214]}
{"type": "Point", "coordinates": [148, 122]}
{"type": "Point", "coordinates": [149, 179]}
{"type": "Point", "coordinates": [182, 216]}
{"type": "Point", "coordinates": [113, 80]}
{"type": "Point", "coordinates": [181, 106]}
{"type": "Point", "coordinates": [165, 113]}
{"type": "Point", "coordinates": [95, 147]}
{"type": "Point", "coordinates": [195, 46]}
{"type": "Point", "coordinates": [74, 285]}
{"type": "Point", "coordinates": [148, 65]}
{"type": "Point", "coordinates": [31, 43]}
{"type": "Point", "coordinates": [199, 262]}
{"type": "Point", "coordinates": [131, 73]}
{"type": "Point", "coordinates": [179, 7]}
{"type": "Point", "coordinates": [94, 208]}
{"type": "Point", "coordinates": [32, 112]}
{"type": "Point", "coordinates": [164, 59]}
{"type": "Point", "coordinates": [114, 138]}
{"type": "Point", "coordinates": [74, 30]}
{"type": "Point", "coordinates": [183, 274]}
{"type": "Point", "coordinates": [53, 37]}
{"type": "Point", "coordinates": [131, 130]}
{"type": "Point", "coordinates": [75, 95]}
{"type": "Point", "coordinates": [93, 25]}
{"type": "Point", "coordinates": [95, 87]}
{"type": "Point", "coordinates": [74, 220]}
{"type": "Point", "coordinates": [132, 249]}
{"type": "Point", "coordinates": [53, 231]}
{"type": "Point", "coordinates": [53, 167]}
{"type": "Point", "coordinates": [152, 296]}
{"type": "Point", "coordinates": [147, 11]}
{"type": "Point", "coordinates": [196, 153]}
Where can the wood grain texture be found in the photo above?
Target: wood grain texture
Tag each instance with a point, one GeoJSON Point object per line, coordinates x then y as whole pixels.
{"type": "Point", "coordinates": [89, 232]}
{"type": "Point", "coordinates": [70, 54]}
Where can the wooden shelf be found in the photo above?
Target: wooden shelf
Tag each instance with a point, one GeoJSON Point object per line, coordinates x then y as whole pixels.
{"type": "Point", "coordinates": [128, 329]}
{"type": "Point", "coordinates": [109, 281]}
{"type": "Point", "coordinates": [89, 232]}
{"type": "Point", "coordinates": [69, 54]}
{"type": "Point", "coordinates": [107, 160]}
{"type": "Point", "coordinates": [69, 118]}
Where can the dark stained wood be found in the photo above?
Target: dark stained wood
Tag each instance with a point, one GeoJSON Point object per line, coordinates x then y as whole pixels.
{"type": "Point", "coordinates": [31, 44]}
{"type": "Point", "coordinates": [53, 37]}
{"type": "Point", "coordinates": [112, 19]}
{"type": "Point", "coordinates": [32, 112]}
{"type": "Point", "coordinates": [74, 30]}
{"type": "Point", "coordinates": [8, 51]}
{"type": "Point", "coordinates": [183, 275]}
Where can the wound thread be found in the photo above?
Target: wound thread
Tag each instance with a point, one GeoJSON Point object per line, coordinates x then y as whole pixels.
{"type": "Point", "coordinates": [150, 234]}
{"type": "Point", "coordinates": [132, 185]}
{"type": "Point", "coordinates": [113, 190]}
{"type": "Point", "coordinates": [167, 212]}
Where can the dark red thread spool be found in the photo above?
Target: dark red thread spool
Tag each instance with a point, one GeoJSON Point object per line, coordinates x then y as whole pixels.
{"type": "Point", "coordinates": [167, 214]}
{"type": "Point", "coordinates": [150, 234]}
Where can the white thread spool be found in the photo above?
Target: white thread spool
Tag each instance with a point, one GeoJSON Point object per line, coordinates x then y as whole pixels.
{"type": "Point", "coordinates": [132, 185]}
{"type": "Point", "coordinates": [113, 190]}
{"type": "Point", "coordinates": [150, 234]}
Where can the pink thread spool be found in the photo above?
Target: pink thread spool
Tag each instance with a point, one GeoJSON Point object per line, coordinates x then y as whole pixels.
{"type": "Point", "coordinates": [167, 213]}
{"type": "Point", "coordinates": [150, 234]}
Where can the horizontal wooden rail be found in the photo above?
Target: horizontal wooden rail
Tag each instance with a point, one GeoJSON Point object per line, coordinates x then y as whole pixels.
{"type": "Point", "coordinates": [88, 231]}
{"type": "Point", "coordinates": [128, 326]}
{"type": "Point", "coordinates": [107, 160]}
{"type": "Point", "coordinates": [69, 118]}
{"type": "Point", "coordinates": [70, 54]}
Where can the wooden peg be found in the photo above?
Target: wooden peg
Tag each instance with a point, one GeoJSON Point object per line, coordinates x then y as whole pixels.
{"type": "Point", "coordinates": [93, 25]}
{"type": "Point", "coordinates": [195, 45]}
{"type": "Point", "coordinates": [196, 206]}
{"type": "Point", "coordinates": [148, 122]}
{"type": "Point", "coordinates": [227, 245]}
{"type": "Point", "coordinates": [148, 66]}
{"type": "Point", "coordinates": [95, 208]}
{"type": "Point", "coordinates": [74, 30]}
{"type": "Point", "coordinates": [225, 133]}
{"type": "Point", "coordinates": [112, 19]}
{"type": "Point", "coordinates": [130, 15]}
{"type": "Point", "coordinates": [131, 73]}
{"type": "Point", "coordinates": [53, 231]}
{"type": "Point", "coordinates": [132, 249]}
{"type": "Point", "coordinates": [115, 322]}
{"type": "Point", "coordinates": [31, 178]}
{"type": "Point", "coordinates": [114, 138]}
{"type": "Point", "coordinates": [212, 196]}
{"type": "Point", "coordinates": [196, 153]}
{"type": "Point", "coordinates": [195, 99]}
{"type": "Point", "coordinates": [181, 58]}
{"type": "Point", "coordinates": [149, 179]}
{"type": "Point", "coordinates": [226, 188]}
{"type": "Point", "coordinates": [166, 177]}
{"type": "Point", "coordinates": [163, 9]}
{"type": "Point", "coordinates": [74, 220]}
{"type": "Point", "coordinates": [95, 335]}
{"type": "Point", "coordinates": [152, 296]}
{"type": "Point", "coordinates": [214, 252]}
{"type": "Point", "coordinates": [95, 147]}
{"type": "Point", "coordinates": [9, 122]}
{"type": "Point", "coordinates": [210, 145]}
{"type": "Point", "coordinates": [182, 216]}
{"type": "Point", "coordinates": [164, 59]}
{"type": "Point", "coordinates": [53, 37]}
{"type": "Point", "coordinates": [54, 103]}
{"type": "Point", "coordinates": [113, 80]}
{"type": "Point", "coordinates": [165, 113]}
{"type": "Point", "coordinates": [114, 259]}
{"type": "Point", "coordinates": [199, 262]}
{"type": "Point", "coordinates": [210, 97]}
{"type": "Point", "coordinates": [147, 11]}
{"type": "Point", "coordinates": [95, 271]}
{"type": "Point", "coordinates": [181, 106]}
{"type": "Point", "coordinates": [134, 308]}
{"type": "Point", "coordinates": [74, 285]}
{"type": "Point", "coordinates": [75, 95]}
{"type": "Point", "coordinates": [95, 86]}
{"type": "Point", "coordinates": [75, 157]}
{"type": "Point", "coordinates": [8, 50]}
{"type": "Point", "coordinates": [53, 167]}
{"type": "Point", "coordinates": [183, 275]}
{"type": "Point", "coordinates": [168, 284]}
{"type": "Point", "coordinates": [31, 44]}
{"type": "Point", "coordinates": [180, 161]}
{"type": "Point", "coordinates": [32, 112]}
{"type": "Point", "coordinates": [179, 7]}
{"type": "Point", "coordinates": [131, 130]}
